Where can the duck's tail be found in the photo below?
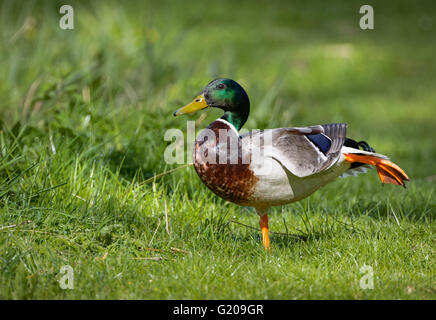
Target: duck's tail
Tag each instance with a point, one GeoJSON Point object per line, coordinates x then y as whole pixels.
{"type": "Point", "coordinates": [388, 171]}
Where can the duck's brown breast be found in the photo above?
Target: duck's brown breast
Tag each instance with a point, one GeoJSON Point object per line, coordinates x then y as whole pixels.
{"type": "Point", "coordinates": [226, 174]}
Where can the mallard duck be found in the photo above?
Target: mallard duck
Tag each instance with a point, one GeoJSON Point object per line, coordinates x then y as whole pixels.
{"type": "Point", "coordinates": [276, 166]}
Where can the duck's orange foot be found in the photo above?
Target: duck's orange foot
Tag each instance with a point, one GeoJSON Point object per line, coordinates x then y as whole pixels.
{"type": "Point", "coordinates": [388, 171]}
{"type": "Point", "coordinates": [264, 227]}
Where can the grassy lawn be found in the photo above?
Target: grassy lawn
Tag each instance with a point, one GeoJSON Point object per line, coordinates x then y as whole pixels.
{"type": "Point", "coordinates": [83, 115]}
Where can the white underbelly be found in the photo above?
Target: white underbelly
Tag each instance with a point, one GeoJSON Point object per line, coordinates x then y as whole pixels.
{"type": "Point", "coordinates": [278, 186]}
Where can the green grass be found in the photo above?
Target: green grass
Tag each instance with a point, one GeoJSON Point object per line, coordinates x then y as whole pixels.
{"type": "Point", "coordinates": [84, 114]}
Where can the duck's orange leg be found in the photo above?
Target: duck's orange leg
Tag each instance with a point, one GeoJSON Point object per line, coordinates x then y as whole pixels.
{"type": "Point", "coordinates": [388, 171]}
{"type": "Point", "coordinates": [264, 227]}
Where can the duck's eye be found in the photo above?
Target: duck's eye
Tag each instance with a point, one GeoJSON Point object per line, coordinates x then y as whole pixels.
{"type": "Point", "coordinates": [220, 86]}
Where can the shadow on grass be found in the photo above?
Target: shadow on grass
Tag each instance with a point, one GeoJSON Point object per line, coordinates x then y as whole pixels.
{"type": "Point", "coordinates": [282, 240]}
{"type": "Point", "coordinates": [385, 210]}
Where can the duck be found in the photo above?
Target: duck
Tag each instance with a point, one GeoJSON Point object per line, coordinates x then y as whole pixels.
{"type": "Point", "coordinates": [274, 167]}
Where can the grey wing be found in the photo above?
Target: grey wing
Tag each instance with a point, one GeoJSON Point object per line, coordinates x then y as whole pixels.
{"type": "Point", "coordinates": [303, 151]}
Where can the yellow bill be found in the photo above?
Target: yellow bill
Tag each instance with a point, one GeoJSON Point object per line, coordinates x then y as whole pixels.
{"type": "Point", "coordinates": [197, 104]}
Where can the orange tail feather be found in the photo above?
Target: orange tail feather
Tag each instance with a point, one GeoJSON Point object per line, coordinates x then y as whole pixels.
{"type": "Point", "coordinates": [388, 171]}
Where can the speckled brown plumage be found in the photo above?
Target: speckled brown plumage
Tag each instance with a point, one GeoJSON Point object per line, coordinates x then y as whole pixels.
{"type": "Point", "coordinates": [234, 182]}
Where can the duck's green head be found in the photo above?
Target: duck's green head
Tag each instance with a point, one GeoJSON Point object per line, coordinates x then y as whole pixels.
{"type": "Point", "coordinates": [225, 94]}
